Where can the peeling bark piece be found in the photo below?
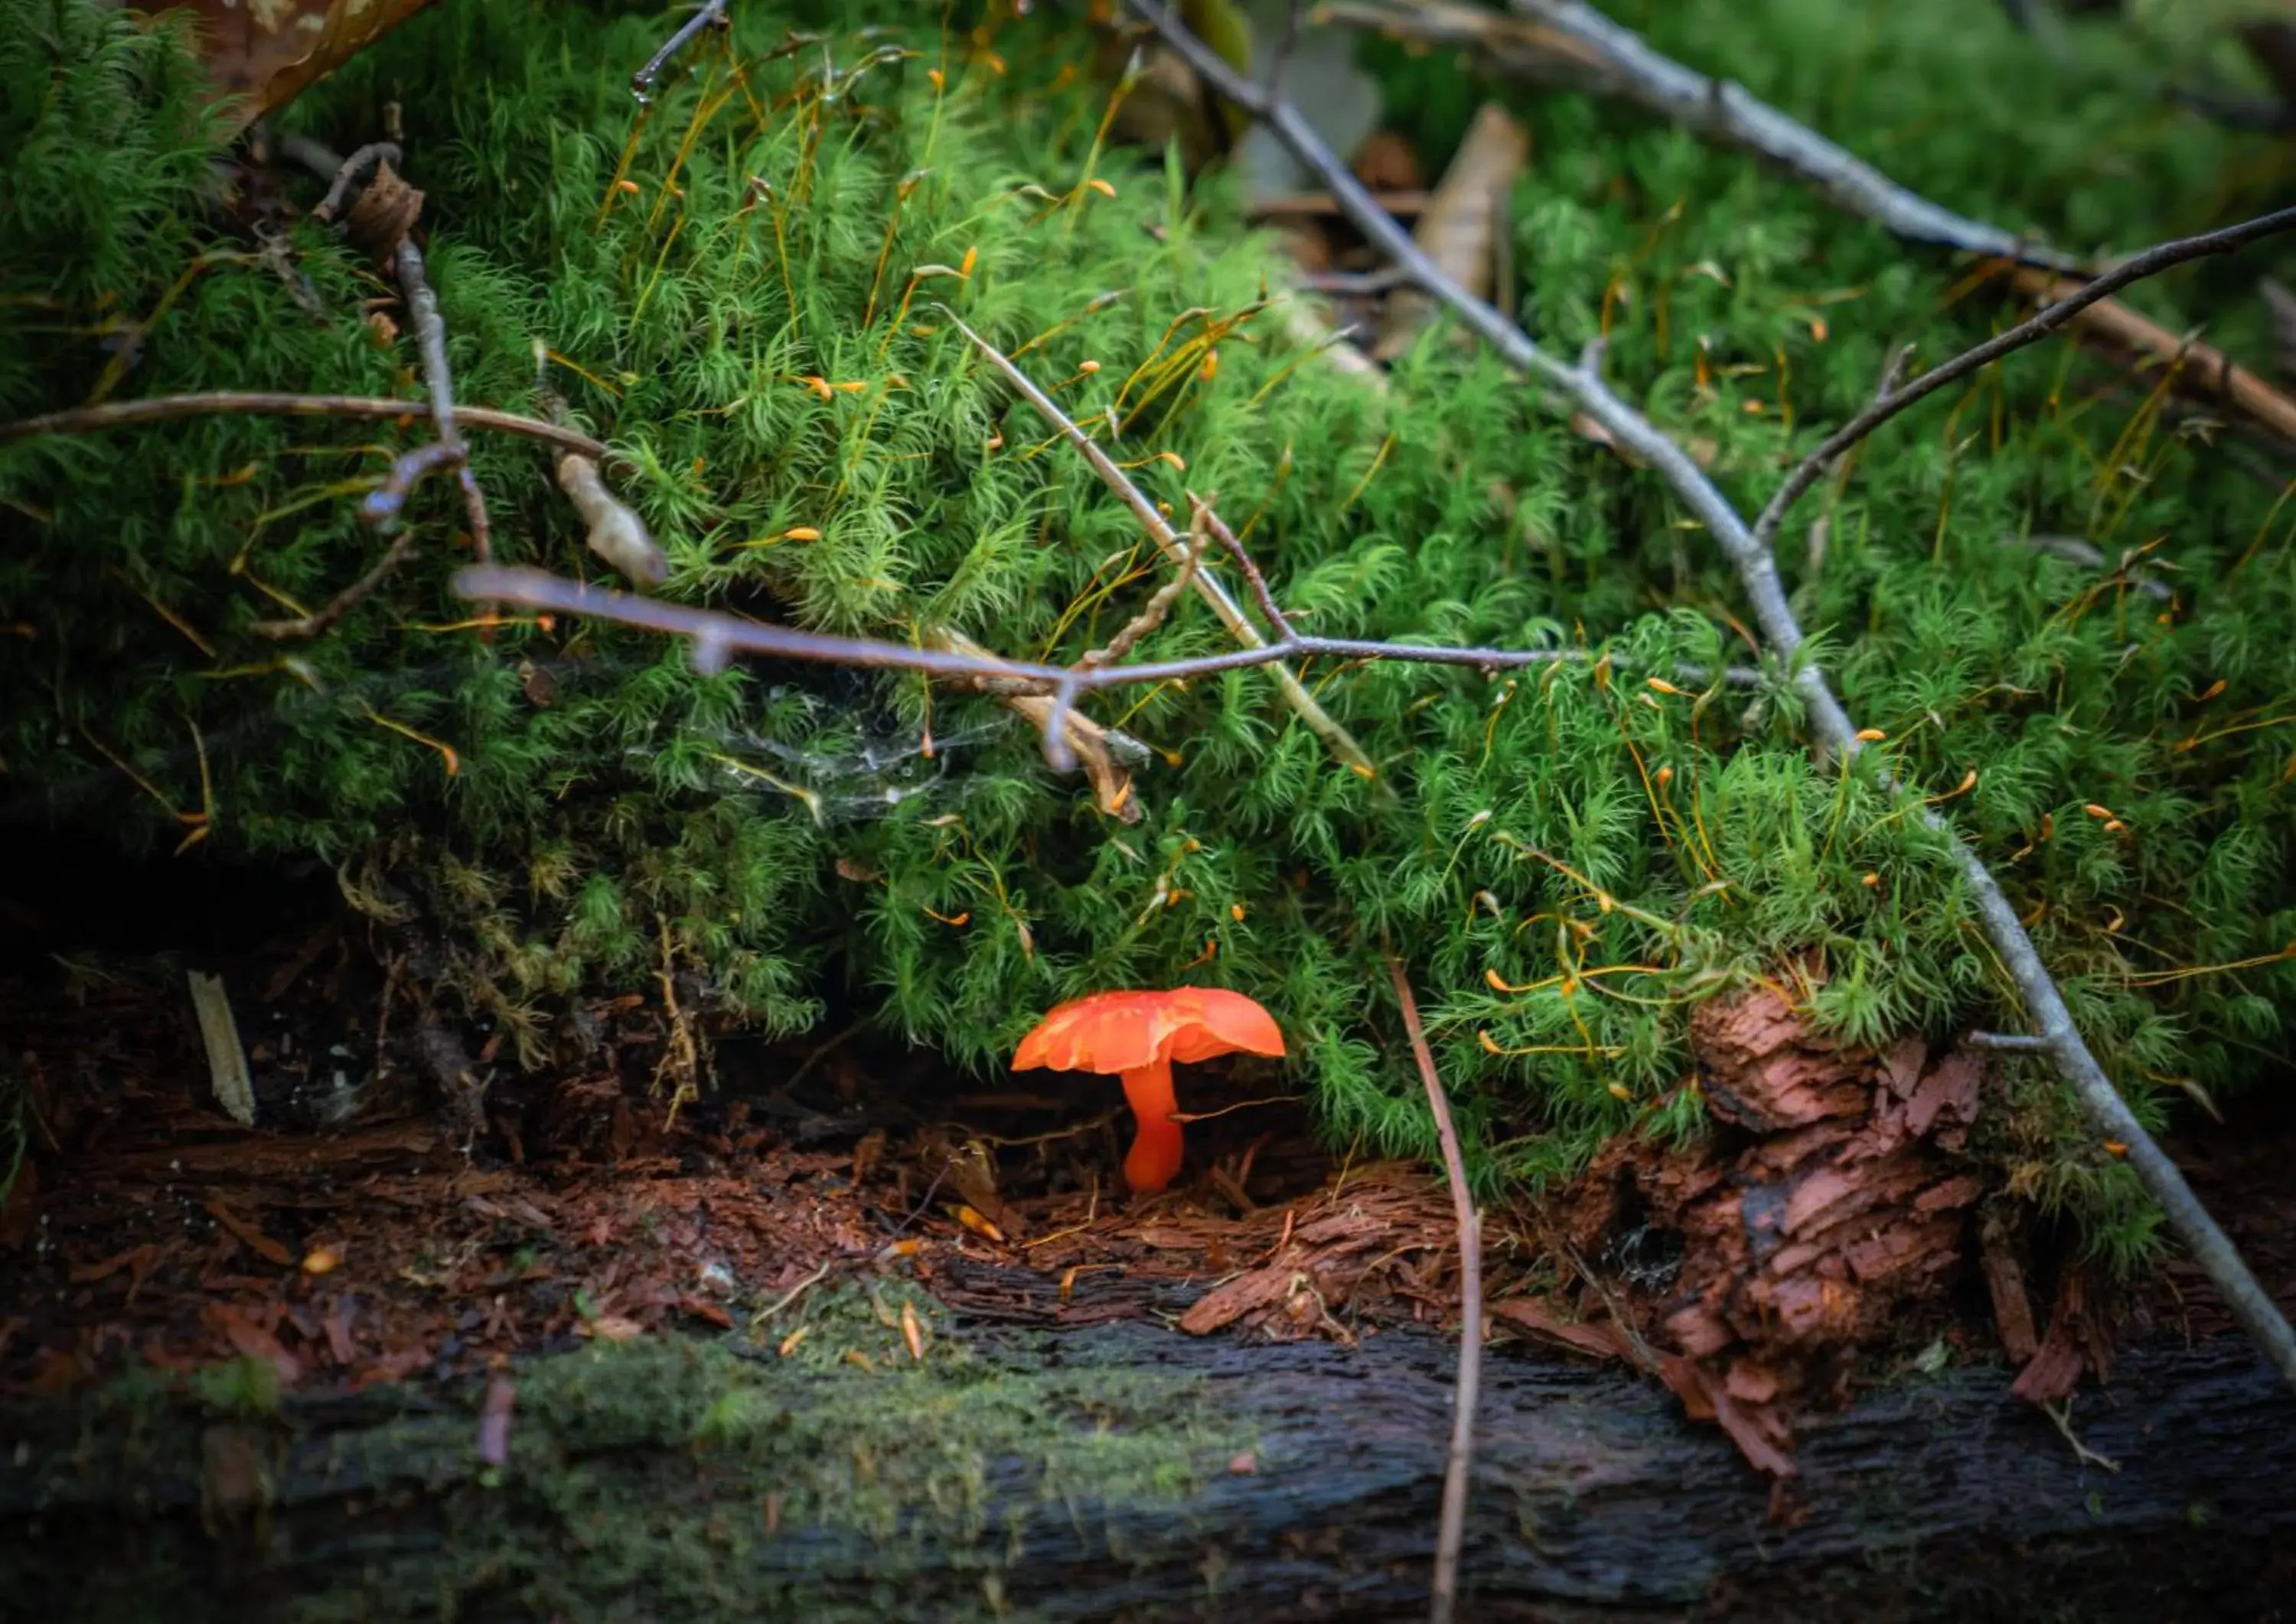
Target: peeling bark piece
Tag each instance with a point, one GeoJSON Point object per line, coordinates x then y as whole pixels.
{"type": "Point", "coordinates": [1767, 1072]}
{"type": "Point", "coordinates": [2052, 1372]}
{"type": "Point", "coordinates": [2004, 1283]}
{"type": "Point", "coordinates": [1262, 1288]}
{"type": "Point", "coordinates": [1806, 1235]}
{"type": "Point", "coordinates": [1528, 1313]}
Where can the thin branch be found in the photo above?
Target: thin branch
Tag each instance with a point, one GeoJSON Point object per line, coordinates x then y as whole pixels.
{"type": "Point", "coordinates": [2009, 1042]}
{"type": "Point", "coordinates": [2135, 268]}
{"type": "Point", "coordinates": [258, 403]}
{"type": "Point", "coordinates": [348, 171]}
{"type": "Point", "coordinates": [350, 597]}
{"type": "Point", "coordinates": [1277, 621]}
{"type": "Point", "coordinates": [431, 339]}
{"type": "Point", "coordinates": [1151, 615]}
{"type": "Point", "coordinates": [386, 501]}
{"type": "Point", "coordinates": [1317, 204]}
{"type": "Point", "coordinates": [2108, 1114]}
{"type": "Point", "coordinates": [1451, 1529]}
{"type": "Point", "coordinates": [718, 637]}
{"type": "Point", "coordinates": [1354, 284]}
{"type": "Point", "coordinates": [710, 14]}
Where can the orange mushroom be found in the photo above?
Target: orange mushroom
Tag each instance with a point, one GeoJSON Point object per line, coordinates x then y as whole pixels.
{"type": "Point", "coordinates": [1137, 1036]}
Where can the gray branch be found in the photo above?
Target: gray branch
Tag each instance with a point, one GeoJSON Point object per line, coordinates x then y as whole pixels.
{"type": "Point", "coordinates": [2108, 1114]}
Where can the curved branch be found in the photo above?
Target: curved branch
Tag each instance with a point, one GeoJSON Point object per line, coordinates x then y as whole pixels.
{"type": "Point", "coordinates": [257, 403]}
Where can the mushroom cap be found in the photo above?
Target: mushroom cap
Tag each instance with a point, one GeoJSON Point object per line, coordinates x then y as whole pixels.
{"type": "Point", "coordinates": [1123, 1031]}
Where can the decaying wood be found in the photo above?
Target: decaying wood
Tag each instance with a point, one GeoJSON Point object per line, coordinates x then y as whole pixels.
{"type": "Point", "coordinates": [1933, 1498]}
{"type": "Point", "coordinates": [1832, 1201]}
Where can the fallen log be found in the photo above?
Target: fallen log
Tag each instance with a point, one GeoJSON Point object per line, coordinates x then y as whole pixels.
{"type": "Point", "coordinates": [1125, 1471]}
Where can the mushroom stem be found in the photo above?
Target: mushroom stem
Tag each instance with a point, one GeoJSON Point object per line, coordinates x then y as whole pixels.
{"type": "Point", "coordinates": [1154, 1158]}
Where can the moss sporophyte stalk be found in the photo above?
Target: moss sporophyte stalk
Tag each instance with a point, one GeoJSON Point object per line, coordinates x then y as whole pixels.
{"type": "Point", "coordinates": [740, 291]}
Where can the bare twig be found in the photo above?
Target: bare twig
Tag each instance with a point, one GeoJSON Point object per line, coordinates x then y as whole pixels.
{"type": "Point", "coordinates": [718, 637]}
{"type": "Point", "coordinates": [1353, 284]}
{"type": "Point", "coordinates": [2108, 1114]}
{"type": "Point", "coordinates": [1160, 605]}
{"type": "Point", "coordinates": [401, 549]}
{"type": "Point", "coordinates": [258, 403]}
{"type": "Point", "coordinates": [1403, 205]}
{"type": "Point", "coordinates": [431, 339]}
{"type": "Point", "coordinates": [387, 500]}
{"type": "Point", "coordinates": [2135, 268]}
{"type": "Point", "coordinates": [710, 14]}
{"type": "Point", "coordinates": [2012, 1042]}
{"type": "Point", "coordinates": [346, 173]}
{"type": "Point", "coordinates": [2063, 1416]}
{"type": "Point", "coordinates": [1451, 1528]}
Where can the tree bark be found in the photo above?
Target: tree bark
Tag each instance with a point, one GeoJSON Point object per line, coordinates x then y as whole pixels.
{"type": "Point", "coordinates": [1937, 1497]}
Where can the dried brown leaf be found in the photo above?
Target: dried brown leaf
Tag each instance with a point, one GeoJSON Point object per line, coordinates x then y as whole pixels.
{"type": "Point", "coordinates": [1464, 229]}
{"type": "Point", "coordinates": [261, 53]}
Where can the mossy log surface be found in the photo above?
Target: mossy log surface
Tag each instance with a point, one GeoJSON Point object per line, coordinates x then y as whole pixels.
{"type": "Point", "coordinates": [1938, 1497]}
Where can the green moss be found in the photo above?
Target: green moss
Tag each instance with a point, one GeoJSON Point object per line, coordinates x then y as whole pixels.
{"type": "Point", "coordinates": [669, 1479]}
{"type": "Point", "coordinates": [773, 233]}
{"type": "Point", "coordinates": [243, 1387]}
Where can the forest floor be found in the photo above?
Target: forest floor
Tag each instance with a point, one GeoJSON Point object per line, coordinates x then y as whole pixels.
{"type": "Point", "coordinates": [348, 1238]}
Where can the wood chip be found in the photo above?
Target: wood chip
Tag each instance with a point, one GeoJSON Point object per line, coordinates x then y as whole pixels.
{"type": "Point", "coordinates": [240, 1229]}
{"type": "Point", "coordinates": [234, 1088]}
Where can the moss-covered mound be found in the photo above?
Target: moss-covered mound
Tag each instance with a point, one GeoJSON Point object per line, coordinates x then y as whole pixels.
{"type": "Point", "coordinates": [743, 292]}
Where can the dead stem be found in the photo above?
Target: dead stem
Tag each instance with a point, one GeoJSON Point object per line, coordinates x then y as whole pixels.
{"type": "Point", "coordinates": [1451, 1529]}
{"type": "Point", "coordinates": [259, 402]}
{"type": "Point", "coordinates": [312, 625]}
